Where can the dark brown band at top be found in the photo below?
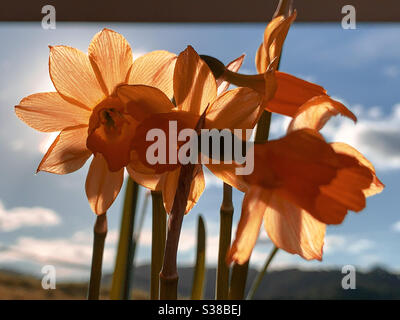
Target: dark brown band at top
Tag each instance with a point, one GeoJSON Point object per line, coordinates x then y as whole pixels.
{"type": "Point", "coordinates": [197, 10]}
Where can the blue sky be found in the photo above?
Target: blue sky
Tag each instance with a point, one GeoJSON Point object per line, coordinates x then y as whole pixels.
{"type": "Point", "coordinates": [45, 218]}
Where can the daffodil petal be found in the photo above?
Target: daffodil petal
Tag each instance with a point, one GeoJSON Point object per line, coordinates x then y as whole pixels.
{"type": "Point", "coordinates": [316, 112]}
{"type": "Point", "coordinates": [68, 152]}
{"type": "Point", "coordinates": [376, 186]}
{"type": "Point", "coordinates": [149, 181]}
{"type": "Point", "coordinates": [155, 69]}
{"type": "Point", "coordinates": [233, 66]}
{"type": "Point", "coordinates": [102, 185]}
{"type": "Point", "coordinates": [73, 76]}
{"type": "Point", "coordinates": [254, 205]}
{"type": "Point", "coordinates": [169, 184]}
{"type": "Point", "coordinates": [227, 173]}
{"type": "Point", "coordinates": [196, 188]}
{"type": "Point", "coordinates": [111, 56]}
{"type": "Point", "coordinates": [291, 93]}
{"type": "Point", "coordinates": [49, 112]}
{"type": "Point", "coordinates": [194, 84]}
{"type": "Point", "coordinates": [234, 109]}
{"type": "Point", "coordinates": [293, 229]}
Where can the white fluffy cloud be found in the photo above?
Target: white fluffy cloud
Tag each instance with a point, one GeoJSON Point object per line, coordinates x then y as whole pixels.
{"type": "Point", "coordinates": [345, 244]}
{"type": "Point", "coordinates": [396, 226]}
{"type": "Point", "coordinates": [16, 218]}
{"type": "Point", "coordinates": [71, 256]}
{"type": "Point", "coordinates": [376, 135]}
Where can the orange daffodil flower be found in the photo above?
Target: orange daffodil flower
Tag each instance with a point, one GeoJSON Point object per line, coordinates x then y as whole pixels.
{"type": "Point", "coordinates": [300, 183]}
{"type": "Point", "coordinates": [89, 114]}
{"type": "Point", "coordinates": [195, 92]}
{"type": "Point", "coordinates": [282, 92]}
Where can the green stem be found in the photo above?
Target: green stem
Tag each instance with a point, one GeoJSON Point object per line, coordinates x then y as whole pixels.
{"type": "Point", "coordinates": [258, 279]}
{"type": "Point", "coordinates": [100, 233]}
{"type": "Point", "coordinates": [263, 127]}
{"type": "Point", "coordinates": [120, 287]}
{"type": "Point", "coordinates": [136, 234]}
{"type": "Point", "coordinates": [238, 281]}
{"type": "Point", "coordinates": [169, 272]}
{"type": "Point", "coordinates": [131, 244]}
{"type": "Point", "coordinates": [159, 228]}
{"type": "Point", "coordinates": [200, 267]}
{"type": "Point", "coordinates": [225, 233]}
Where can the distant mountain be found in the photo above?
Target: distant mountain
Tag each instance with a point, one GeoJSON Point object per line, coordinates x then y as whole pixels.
{"type": "Point", "coordinates": [286, 284]}
{"type": "Point", "coordinates": [291, 284]}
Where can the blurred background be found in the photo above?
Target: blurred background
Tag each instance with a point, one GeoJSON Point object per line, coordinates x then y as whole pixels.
{"type": "Point", "coordinates": [45, 219]}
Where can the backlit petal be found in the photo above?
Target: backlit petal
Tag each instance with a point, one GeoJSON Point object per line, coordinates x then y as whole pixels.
{"type": "Point", "coordinates": [233, 66]}
{"type": "Point", "coordinates": [68, 152]}
{"type": "Point", "coordinates": [149, 181]}
{"type": "Point", "coordinates": [254, 205]}
{"type": "Point", "coordinates": [376, 186]}
{"type": "Point", "coordinates": [317, 111]}
{"type": "Point", "coordinates": [170, 182]}
{"type": "Point", "coordinates": [291, 93]}
{"type": "Point", "coordinates": [227, 173]}
{"type": "Point", "coordinates": [102, 185]}
{"type": "Point", "coordinates": [155, 69]}
{"type": "Point", "coordinates": [196, 188]}
{"type": "Point", "coordinates": [194, 84]}
{"type": "Point", "coordinates": [142, 101]}
{"type": "Point", "coordinates": [73, 76]}
{"type": "Point", "coordinates": [169, 185]}
{"type": "Point", "coordinates": [293, 229]}
{"type": "Point", "coordinates": [111, 56]}
{"type": "Point", "coordinates": [49, 112]}
{"type": "Point", "coordinates": [234, 109]}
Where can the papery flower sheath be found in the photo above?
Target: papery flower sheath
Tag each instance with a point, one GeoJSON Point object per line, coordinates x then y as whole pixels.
{"type": "Point", "coordinates": [195, 89]}
{"type": "Point", "coordinates": [291, 92]}
{"type": "Point", "coordinates": [300, 184]}
{"type": "Point", "coordinates": [91, 118]}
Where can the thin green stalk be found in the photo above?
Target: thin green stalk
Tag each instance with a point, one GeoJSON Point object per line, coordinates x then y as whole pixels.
{"type": "Point", "coordinates": [136, 233]}
{"type": "Point", "coordinates": [258, 279]}
{"type": "Point", "coordinates": [159, 228]}
{"type": "Point", "coordinates": [169, 271]}
{"type": "Point", "coordinates": [238, 281]}
{"type": "Point", "coordinates": [200, 267]}
{"type": "Point", "coordinates": [120, 288]}
{"type": "Point", "coordinates": [225, 233]}
{"type": "Point", "coordinates": [263, 126]}
{"type": "Point", "coordinates": [100, 233]}
{"type": "Point", "coordinates": [131, 244]}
